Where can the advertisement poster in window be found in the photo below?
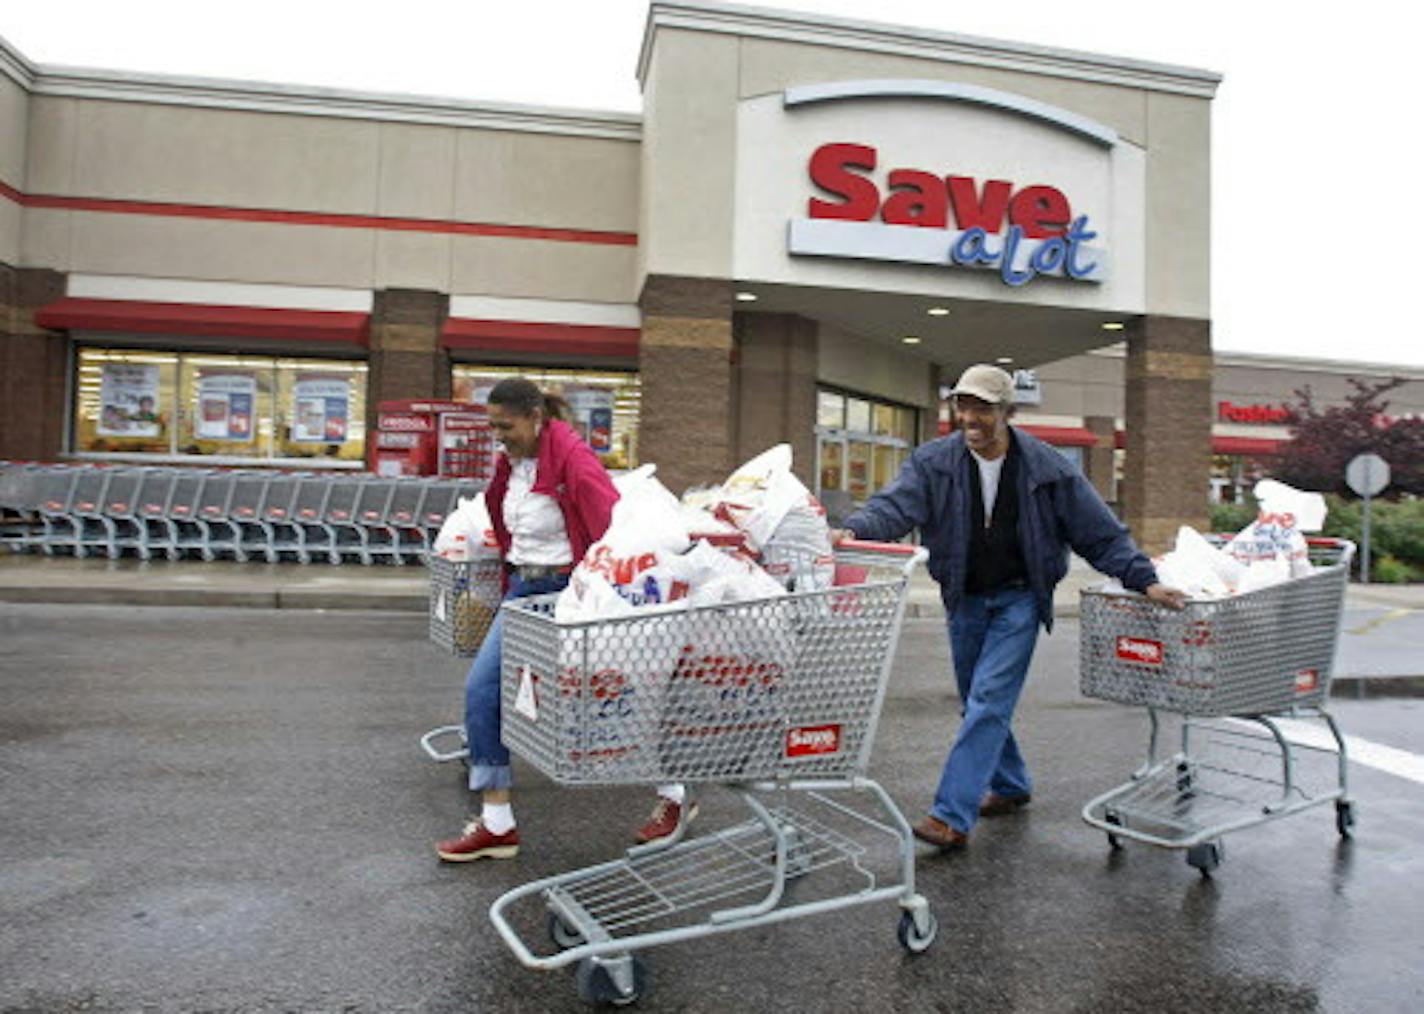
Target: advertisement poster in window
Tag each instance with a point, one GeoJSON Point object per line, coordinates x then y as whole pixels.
{"type": "Point", "coordinates": [320, 410]}
{"type": "Point", "coordinates": [593, 416]}
{"type": "Point", "coordinates": [225, 403]}
{"type": "Point", "coordinates": [128, 401]}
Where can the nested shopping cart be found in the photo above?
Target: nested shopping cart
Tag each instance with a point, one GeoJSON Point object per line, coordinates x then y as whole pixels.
{"type": "Point", "coordinates": [776, 699]}
{"type": "Point", "coordinates": [1250, 677]}
{"type": "Point", "coordinates": [464, 598]}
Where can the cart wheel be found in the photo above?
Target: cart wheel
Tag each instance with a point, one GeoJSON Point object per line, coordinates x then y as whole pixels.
{"type": "Point", "coordinates": [911, 938]}
{"type": "Point", "coordinates": [1345, 818]}
{"type": "Point", "coordinates": [1205, 857]}
{"type": "Point", "coordinates": [1113, 840]}
{"type": "Point", "coordinates": [1184, 781]}
{"type": "Point", "coordinates": [595, 984]}
{"type": "Point", "coordinates": [563, 935]}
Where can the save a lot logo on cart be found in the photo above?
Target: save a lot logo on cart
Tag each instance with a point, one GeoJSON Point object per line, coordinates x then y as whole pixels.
{"type": "Point", "coordinates": [929, 217]}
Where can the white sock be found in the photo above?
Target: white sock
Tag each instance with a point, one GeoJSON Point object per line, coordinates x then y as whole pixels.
{"type": "Point", "coordinates": [498, 818]}
{"type": "Point", "coordinates": [675, 792]}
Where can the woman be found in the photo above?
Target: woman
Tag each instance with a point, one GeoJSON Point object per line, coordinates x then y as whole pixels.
{"type": "Point", "coordinates": [550, 500]}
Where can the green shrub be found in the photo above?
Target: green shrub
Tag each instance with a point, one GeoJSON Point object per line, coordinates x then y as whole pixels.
{"type": "Point", "coordinates": [1388, 569]}
{"type": "Point", "coordinates": [1230, 518]}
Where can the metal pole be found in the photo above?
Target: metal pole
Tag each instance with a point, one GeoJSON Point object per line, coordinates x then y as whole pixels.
{"type": "Point", "coordinates": [1365, 533]}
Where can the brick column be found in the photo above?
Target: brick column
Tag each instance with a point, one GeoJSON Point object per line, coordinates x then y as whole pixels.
{"type": "Point", "coordinates": [775, 373]}
{"type": "Point", "coordinates": [1168, 396]}
{"type": "Point", "coordinates": [1098, 460]}
{"type": "Point", "coordinates": [34, 364]}
{"type": "Point", "coordinates": [685, 367]}
{"type": "Point", "coordinates": [406, 360]}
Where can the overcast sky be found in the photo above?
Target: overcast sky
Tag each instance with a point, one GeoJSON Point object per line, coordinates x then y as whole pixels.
{"type": "Point", "coordinates": [1311, 124]}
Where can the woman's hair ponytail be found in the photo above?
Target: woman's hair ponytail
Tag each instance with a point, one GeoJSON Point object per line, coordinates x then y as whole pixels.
{"type": "Point", "coordinates": [556, 407]}
{"type": "Point", "coordinates": [523, 397]}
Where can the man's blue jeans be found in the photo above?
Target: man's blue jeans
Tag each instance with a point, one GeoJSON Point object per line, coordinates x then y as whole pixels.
{"type": "Point", "coordinates": [489, 760]}
{"type": "Point", "coordinates": [992, 638]}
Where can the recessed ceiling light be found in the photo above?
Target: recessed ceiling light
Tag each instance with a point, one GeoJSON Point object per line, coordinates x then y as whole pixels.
{"type": "Point", "coordinates": [1004, 360]}
{"type": "Point", "coordinates": [1114, 325]}
{"type": "Point", "coordinates": [746, 297]}
{"type": "Point", "coordinates": [938, 311]}
{"type": "Point", "coordinates": [910, 339]}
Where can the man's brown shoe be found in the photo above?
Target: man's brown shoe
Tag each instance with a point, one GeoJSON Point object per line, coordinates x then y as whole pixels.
{"type": "Point", "coordinates": [995, 805]}
{"type": "Point", "coordinates": [936, 832]}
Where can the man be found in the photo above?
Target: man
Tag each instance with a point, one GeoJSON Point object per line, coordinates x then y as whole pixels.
{"type": "Point", "coordinates": [998, 510]}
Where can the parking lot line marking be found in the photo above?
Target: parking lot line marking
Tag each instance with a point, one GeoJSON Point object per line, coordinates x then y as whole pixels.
{"type": "Point", "coordinates": [1391, 760]}
{"type": "Point", "coordinates": [1369, 625]}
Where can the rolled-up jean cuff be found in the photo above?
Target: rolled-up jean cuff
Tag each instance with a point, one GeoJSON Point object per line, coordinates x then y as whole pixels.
{"type": "Point", "coordinates": [489, 776]}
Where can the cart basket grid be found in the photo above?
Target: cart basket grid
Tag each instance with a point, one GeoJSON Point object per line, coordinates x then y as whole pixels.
{"type": "Point", "coordinates": [777, 688]}
{"type": "Point", "coordinates": [1263, 651]}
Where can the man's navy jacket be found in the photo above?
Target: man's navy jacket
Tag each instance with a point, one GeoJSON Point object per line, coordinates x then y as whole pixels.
{"type": "Point", "coordinates": [1058, 509]}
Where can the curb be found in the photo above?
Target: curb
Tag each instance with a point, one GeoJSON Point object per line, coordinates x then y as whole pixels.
{"type": "Point", "coordinates": [1361, 688]}
{"type": "Point", "coordinates": [215, 599]}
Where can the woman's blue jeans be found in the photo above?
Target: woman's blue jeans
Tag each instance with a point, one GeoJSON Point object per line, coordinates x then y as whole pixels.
{"type": "Point", "coordinates": [489, 760]}
{"type": "Point", "coordinates": [992, 638]}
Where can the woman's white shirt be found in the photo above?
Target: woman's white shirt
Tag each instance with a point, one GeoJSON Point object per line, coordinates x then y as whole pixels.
{"type": "Point", "coordinates": [538, 536]}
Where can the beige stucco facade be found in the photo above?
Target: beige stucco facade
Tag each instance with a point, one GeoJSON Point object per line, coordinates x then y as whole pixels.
{"type": "Point", "coordinates": [677, 221]}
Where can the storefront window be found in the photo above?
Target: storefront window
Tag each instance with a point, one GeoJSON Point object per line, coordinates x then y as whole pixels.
{"type": "Point", "coordinates": [125, 401]}
{"type": "Point", "coordinates": [830, 409]}
{"type": "Point", "coordinates": [605, 403]}
{"type": "Point", "coordinates": [321, 409]}
{"type": "Point", "coordinates": [234, 409]}
{"type": "Point", "coordinates": [860, 444]}
{"type": "Point", "coordinates": [858, 415]}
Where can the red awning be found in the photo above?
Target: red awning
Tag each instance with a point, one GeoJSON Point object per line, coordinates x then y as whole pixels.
{"type": "Point", "coordinates": [529, 336]}
{"type": "Point", "coordinates": [138, 317]}
{"type": "Point", "coordinates": [1062, 436]}
{"type": "Point", "coordinates": [1258, 447]}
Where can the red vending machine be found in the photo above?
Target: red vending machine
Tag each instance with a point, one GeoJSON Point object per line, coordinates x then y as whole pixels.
{"type": "Point", "coordinates": [466, 444]}
{"type": "Point", "coordinates": [421, 437]}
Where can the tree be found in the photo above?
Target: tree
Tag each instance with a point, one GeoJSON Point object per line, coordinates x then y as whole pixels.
{"type": "Point", "coordinates": [1323, 440]}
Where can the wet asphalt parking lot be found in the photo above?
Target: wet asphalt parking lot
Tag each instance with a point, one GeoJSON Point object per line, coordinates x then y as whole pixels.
{"type": "Point", "coordinates": [226, 810]}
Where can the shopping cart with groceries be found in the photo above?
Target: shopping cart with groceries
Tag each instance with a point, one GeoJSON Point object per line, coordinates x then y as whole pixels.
{"type": "Point", "coordinates": [777, 699]}
{"type": "Point", "coordinates": [1250, 677]}
{"type": "Point", "coordinates": [464, 597]}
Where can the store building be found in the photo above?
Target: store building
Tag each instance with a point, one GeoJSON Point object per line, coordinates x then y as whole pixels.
{"type": "Point", "coordinates": [812, 226]}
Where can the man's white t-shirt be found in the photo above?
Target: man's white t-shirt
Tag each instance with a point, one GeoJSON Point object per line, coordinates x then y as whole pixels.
{"type": "Point", "coordinates": [989, 472]}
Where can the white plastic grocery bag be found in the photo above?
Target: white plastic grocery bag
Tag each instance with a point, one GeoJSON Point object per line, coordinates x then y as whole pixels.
{"type": "Point", "coordinates": [467, 533]}
{"type": "Point", "coordinates": [1278, 531]}
{"type": "Point", "coordinates": [781, 518]}
{"type": "Point", "coordinates": [646, 528]}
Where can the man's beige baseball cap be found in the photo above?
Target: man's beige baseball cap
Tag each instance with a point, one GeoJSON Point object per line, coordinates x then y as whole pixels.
{"type": "Point", "coordinates": [988, 383]}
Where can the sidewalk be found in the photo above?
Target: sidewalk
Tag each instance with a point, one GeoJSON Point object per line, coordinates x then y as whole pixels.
{"type": "Point", "coordinates": [54, 579]}
{"type": "Point", "coordinates": [1388, 666]}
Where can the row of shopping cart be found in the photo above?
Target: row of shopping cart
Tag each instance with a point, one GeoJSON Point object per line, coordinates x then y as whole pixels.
{"type": "Point", "coordinates": [244, 515]}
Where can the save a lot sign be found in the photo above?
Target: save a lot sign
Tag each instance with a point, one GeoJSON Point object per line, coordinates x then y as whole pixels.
{"type": "Point", "coordinates": [923, 217]}
{"type": "Point", "coordinates": [953, 175]}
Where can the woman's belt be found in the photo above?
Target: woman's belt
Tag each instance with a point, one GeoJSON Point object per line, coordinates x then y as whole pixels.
{"type": "Point", "coordinates": [537, 571]}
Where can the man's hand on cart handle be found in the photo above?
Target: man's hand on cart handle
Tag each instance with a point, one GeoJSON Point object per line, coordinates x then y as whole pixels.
{"type": "Point", "coordinates": [1172, 598]}
{"type": "Point", "coordinates": [842, 535]}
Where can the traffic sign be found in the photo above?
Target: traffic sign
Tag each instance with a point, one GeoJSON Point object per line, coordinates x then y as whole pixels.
{"type": "Point", "coordinates": [1367, 474]}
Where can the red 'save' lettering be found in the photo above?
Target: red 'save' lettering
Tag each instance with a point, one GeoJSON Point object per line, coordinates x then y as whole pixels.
{"type": "Point", "coordinates": [813, 741]}
{"type": "Point", "coordinates": [1135, 649]}
{"type": "Point", "coordinates": [919, 198]}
